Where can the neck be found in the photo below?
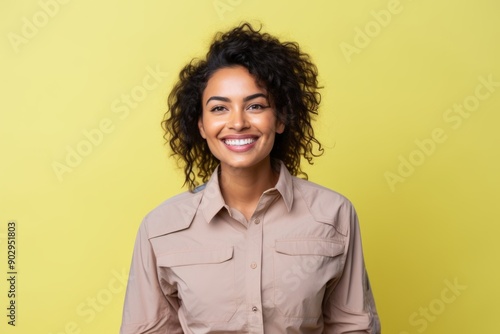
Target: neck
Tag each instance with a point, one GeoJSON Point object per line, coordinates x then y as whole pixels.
{"type": "Point", "coordinates": [242, 187]}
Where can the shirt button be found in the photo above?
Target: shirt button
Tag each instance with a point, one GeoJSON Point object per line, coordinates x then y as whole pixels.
{"type": "Point", "coordinates": [253, 265]}
{"type": "Point", "coordinates": [257, 221]}
{"type": "Point", "coordinates": [254, 309]}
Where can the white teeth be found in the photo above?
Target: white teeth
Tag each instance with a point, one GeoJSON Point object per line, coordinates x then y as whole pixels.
{"type": "Point", "coordinates": [239, 142]}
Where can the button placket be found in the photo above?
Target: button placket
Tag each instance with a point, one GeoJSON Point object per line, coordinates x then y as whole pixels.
{"type": "Point", "coordinates": [254, 277]}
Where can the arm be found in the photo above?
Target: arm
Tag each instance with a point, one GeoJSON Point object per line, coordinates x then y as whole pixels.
{"type": "Point", "coordinates": [147, 309]}
{"type": "Point", "coordinates": [349, 306]}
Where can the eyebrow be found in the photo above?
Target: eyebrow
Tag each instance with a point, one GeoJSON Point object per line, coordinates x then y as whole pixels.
{"type": "Point", "coordinates": [246, 99]}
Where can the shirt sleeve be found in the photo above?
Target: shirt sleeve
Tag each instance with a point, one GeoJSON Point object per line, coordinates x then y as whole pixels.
{"type": "Point", "coordinates": [147, 309]}
{"type": "Point", "coordinates": [349, 306]}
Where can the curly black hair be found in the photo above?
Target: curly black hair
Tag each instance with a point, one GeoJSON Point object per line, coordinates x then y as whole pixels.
{"type": "Point", "coordinates": [290, 78]}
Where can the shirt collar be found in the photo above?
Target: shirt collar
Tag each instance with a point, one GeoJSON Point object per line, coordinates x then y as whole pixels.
{"type": "Point", "coordinates": [285, 186]}
{"type": "Point", "coordinates": [212, 201]}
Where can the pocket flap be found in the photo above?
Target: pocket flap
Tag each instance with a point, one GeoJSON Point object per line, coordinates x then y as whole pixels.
{"type": "Point", "coordinates": [324, 247]}
{"type": "Point", "coordinates": [195, 256]}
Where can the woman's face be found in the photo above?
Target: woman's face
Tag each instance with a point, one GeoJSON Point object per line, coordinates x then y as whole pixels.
{"type": "Point", "coordinates": [238, 121]}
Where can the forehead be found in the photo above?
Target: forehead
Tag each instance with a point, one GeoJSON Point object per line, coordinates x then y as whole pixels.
{"type": "Point", "coordinates": [232, 81]}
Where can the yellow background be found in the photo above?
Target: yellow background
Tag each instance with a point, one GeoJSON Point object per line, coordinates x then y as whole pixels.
{"type": "Point", "coordinates": [439, 226]}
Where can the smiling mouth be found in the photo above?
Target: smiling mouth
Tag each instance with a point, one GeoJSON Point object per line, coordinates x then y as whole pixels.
{"type": "Point", "coordinates": [239, 142]}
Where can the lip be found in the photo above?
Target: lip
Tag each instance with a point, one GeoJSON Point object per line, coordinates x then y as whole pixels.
{"type": "Point", "coordinates": [239, 148]}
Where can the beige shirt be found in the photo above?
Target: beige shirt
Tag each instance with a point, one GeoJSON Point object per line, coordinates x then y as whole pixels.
{"type": "Point", "coordinates": [295, 267]}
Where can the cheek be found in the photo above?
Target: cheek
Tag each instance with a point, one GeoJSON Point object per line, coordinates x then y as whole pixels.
{"type": "Point", "coordinates": [269, 125]}
{"type": "Point", "coordinates": [210, 127]}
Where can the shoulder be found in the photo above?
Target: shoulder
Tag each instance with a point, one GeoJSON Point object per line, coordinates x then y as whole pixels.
{"type": "Point", "coordinates": [326, 205]}
{"type": "Point", "coordinates": [174, 214]}
{"type": "Point", "coordinates": [319, 193]}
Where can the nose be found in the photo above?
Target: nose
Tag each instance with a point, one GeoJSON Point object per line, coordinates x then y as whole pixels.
{"type": "Point", "coordinates": [237, 120]}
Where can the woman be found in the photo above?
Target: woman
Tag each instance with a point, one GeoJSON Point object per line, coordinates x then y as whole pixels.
{"type": "Point", "coordinates": [254, 249]}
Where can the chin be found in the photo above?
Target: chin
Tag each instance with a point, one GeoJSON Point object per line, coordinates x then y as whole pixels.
{"type": "Point", "coordinates": [238, 165]}
{"type": "Point", "coordinates": [245, 163]}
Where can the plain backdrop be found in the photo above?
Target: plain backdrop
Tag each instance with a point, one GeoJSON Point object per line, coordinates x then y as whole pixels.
{"type": "Point", "coordinates": [409, 120]}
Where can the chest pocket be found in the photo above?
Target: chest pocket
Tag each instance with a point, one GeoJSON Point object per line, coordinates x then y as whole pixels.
{"type": "Point", "coordinates": [302, 268]}
{"type": "Point", "coordinates": [205, 282]}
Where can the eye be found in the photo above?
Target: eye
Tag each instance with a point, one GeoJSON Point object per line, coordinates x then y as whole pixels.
{"type": "Point", "coordinates": [218, 109]}
{"type": "Point", "coordinates": [257, 106]}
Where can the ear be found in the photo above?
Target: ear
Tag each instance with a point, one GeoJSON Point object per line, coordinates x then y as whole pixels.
{"type": "Point", "coordinates": [201, 128]}
{"type": "Point", "coordinates": [280, 127]}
